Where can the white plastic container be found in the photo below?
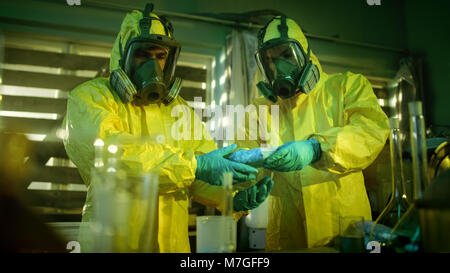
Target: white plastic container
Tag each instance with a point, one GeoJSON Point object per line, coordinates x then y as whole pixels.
{"type": "Point", "coordinates": [216, 234]}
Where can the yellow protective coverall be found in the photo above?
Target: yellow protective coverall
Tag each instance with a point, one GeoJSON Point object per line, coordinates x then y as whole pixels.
{"type": "Point", "coordinates": [342, 113]}
{"type": "Point", "coordinates": [95, 111]}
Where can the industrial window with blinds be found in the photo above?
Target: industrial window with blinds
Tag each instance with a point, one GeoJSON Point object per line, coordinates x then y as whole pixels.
{"type": "Point", "coordinates": [36, 77]}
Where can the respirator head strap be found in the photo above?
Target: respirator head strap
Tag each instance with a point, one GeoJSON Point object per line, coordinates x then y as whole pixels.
{"type": "Point", "coordinates": [306, 71]}
{"type": "Point", "coordinates": [283, 28]}
{"type": "Point", "coordinates": [146, 22]}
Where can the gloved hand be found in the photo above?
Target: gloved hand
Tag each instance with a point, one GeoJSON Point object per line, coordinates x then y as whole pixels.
{"type": "Point", "coordinates": [252, 197]}
{"type": "Point", "coordinates": [293, 156]}
{"type": "Point", "coordinates": [254, 157]}
{"type": "Point", "coordinates": [212, 166]}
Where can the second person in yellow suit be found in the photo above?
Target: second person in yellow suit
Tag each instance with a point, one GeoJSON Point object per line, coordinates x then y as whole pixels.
{"type": "Point", "coordinates": [330, 128]}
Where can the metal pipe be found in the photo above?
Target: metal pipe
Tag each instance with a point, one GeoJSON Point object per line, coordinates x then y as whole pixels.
{"type": "Point", "coordinates": [398, 180]}
{"type": "Point", "coordinates": [257, 26]}
{"type": "Point", "coordinates": [355, 43]}
{"type": "Point", "coordinates": [418, 148]}
{"type": "Point", "coordinates": [228, 194]}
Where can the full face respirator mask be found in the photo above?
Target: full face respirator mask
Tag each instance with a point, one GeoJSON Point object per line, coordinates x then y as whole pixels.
{"type": "Point", "coordinates": [286, 67]}
{"type": "Point", "coordinates": [147, 65]}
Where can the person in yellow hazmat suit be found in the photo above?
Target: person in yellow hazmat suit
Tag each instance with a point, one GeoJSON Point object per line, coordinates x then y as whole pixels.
{"type": "Point", "coordinates": [330, 128]}
{"type": "Point", "coordinates": [137, 101]}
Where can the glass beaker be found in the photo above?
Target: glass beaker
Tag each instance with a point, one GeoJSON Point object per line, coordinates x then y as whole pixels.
{"type": "Point", "coordinates": [125, 212]}
{"type": "Point", "coordinates": [125, 205]}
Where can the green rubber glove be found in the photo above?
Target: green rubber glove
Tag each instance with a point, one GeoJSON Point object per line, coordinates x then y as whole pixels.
{"type": "Point", "coordinates": [293, 156]}
{"type": "Point", "coordinates": [252, 197]}
{"type": "Point", "coordinates": [212, 166]}
{"type": "Point", "coordinates": [254, 157]}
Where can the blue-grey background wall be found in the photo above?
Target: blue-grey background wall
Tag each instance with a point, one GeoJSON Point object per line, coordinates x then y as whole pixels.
{"type": "Point", "coordinates": [428, 33]}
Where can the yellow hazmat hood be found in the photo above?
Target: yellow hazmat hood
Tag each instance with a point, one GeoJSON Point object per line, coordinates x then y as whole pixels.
{"type": "Point", "coordinates": [294, 32]}
{"type": "Point", "coordinates": [130, 29]}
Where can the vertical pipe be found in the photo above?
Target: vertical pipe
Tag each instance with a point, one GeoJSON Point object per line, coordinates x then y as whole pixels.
{"type": "Point", "coordinates": [228, 194]}
{"type": "Point", "coordinates": [398, 179]}
{"type": "Point", "coordinates": [418, 148]}
{"type": "Point", "coordinates": [149, 193]}
{"type": "Point", "coordinates": [227, 233]}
